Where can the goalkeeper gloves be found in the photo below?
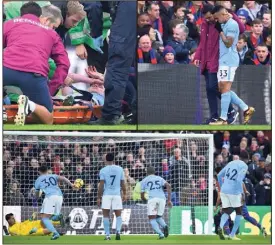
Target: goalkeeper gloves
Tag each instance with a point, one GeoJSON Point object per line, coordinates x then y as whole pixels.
{"type": "Point", "coordinates": [218, 27]}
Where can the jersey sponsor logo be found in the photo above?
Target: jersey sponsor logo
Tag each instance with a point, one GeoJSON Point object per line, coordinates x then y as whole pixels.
{"type": "Point", "coordinates": [20, 20]}
{"type": "Point", "coordinates": [79, 218]}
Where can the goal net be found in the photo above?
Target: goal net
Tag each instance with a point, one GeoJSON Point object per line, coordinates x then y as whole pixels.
{"type": "Point", "coordinates": [184, 160]}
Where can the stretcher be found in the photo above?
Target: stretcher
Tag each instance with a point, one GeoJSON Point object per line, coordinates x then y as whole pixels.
{"type": "Point", "coordinates": [61, 114]}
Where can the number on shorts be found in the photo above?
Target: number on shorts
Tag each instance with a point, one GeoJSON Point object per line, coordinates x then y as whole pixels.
{"type": "Point", "coordinates": [113, 179]}
{"type": "Point", "coordinates": [223, 73]}
{"type": "Point", "coordinates": [233, 172]}
{"type": "Point", "coordinates": [52, 181]}
{"type": "Point", "coordinates": [154, 186]}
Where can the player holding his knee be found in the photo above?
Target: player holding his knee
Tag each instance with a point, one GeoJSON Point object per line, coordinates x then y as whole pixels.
{"type": "Point", "coordinates": [52, 203]}
{"type": "Point", "coordinates": [231, 181]}
{"type": "Point", "coordinates": [228, 63]}
{"type": "Point", "coordinates": [109, 192]}
{"type": "Point", "coordinates": [154, 184]}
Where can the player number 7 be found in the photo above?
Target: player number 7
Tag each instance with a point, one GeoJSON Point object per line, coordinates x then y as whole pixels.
{"type": "Point", "coordinates": [113, 179]}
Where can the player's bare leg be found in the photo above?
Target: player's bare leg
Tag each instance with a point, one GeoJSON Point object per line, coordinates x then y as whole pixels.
{"type": "Point", "coordinates": [106, 223]}
{"type": "Point", "coordinates": [236, 226]}
{"type": "Point", "coordinates": [155, 225]}
{"type": "Point", "coordinates": [45, 218]}
{"type": "Point", "coordinates": [224, 88]}
{"type": "Point", "coordinates": [163, 225]}
{"type": "Point", "coordinates": [224, 219]}
{"type": "Point", "coordinates": [118, 223]}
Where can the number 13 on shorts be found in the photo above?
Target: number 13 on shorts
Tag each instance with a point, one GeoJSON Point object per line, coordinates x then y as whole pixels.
{"type": "Point", "coordinates": [226, 73]}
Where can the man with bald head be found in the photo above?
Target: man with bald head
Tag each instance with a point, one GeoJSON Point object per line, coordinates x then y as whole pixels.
{"type": "Point", "coordinates": [146, 54]}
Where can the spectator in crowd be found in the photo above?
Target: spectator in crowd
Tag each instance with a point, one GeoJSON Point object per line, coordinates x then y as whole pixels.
{"type": "Point", "coordinates": [145, 52]}
{"type": "Point", "coordinates": [186, 18]}
{"type": "Point", "coordinates": [242, 47]}
{"type": "Point", "coordinates": [264, 143]}
{"type": "Point", "coordinates": [30, 74]}
{"type": "Point", "coordinates": [166, 12]}
{"type": "Point", "coordinates": [255, 9]}
{"type": "Point", "coordinates": [14, 196]}
{"type": "Point", "coordinates": [141, 7]}
{"type": "Point", "coordinates": [255, 38]}
{"type": "Point", "coordinates": [260, 57]}
{"type": "Point", "coordinates": [154, 15]}
{"type": "Point", "coordinates": [182, 44]}
{"type": "Point", "coordinates": [244, 18]}
{"type": "Point", "coordinates": [88, 196]}
{"type": "Point", "coordinates": [263, 191]}
{"type": "Point", "coordinates": [260, 170]}
{"type": "Point", "coordinates": [154, 35]}
{"type": "Point", "coordinates": [250, 199]}
{"type": "Point", "coordinates": [196, 12]}
{"type": "Point", "coordinates": [169, 55]}
{"type": "Point", "coordinates": [130, 185]}
{"type": "Point", "coordinates": [267, 23]}
{"type": "Point", "coordinates": [143, 19]}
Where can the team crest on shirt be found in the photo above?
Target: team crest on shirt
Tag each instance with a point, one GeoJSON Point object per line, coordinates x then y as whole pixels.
{"type": "Point", "coordinates": [78, 218]}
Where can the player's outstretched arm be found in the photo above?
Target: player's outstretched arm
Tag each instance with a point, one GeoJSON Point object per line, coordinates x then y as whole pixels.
{"type": "Point", "coordinates": [68, 182]}
{"type": "Point", "coordinates": [100, 192]}
{"type": "Point", "coordinates": [168, 188]}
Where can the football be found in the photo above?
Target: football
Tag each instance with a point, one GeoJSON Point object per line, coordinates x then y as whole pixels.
{"type": "Point", "coordinates": [79, 183]}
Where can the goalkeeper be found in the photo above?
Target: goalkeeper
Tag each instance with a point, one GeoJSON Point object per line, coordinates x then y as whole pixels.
{"type": "Point", "coordinates": [29, 227]}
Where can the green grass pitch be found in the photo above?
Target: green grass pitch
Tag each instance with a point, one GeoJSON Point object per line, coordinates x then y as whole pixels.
{"type": "Point", "coordinates": [196, 239]}
{"type": "Point", "coordinates": [73, 127]}
{"type": "Point", "coordinates": [41, 127]}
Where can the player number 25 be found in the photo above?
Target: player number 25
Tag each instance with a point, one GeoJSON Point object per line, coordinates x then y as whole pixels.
{"type": "Point", "coordinates": [154, 186]}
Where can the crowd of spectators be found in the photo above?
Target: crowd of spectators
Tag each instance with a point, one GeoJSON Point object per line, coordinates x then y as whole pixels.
{"type": "Point", "coordinates": [184, 164]}
{"type": "Point", "coordinates": [169, 31]}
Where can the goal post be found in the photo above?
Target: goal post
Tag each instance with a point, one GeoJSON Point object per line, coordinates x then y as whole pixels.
{"type": "Point", "coordinates": [184, 160]}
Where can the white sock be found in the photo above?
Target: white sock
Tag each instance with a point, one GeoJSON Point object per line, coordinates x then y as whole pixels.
{"type": "Point", "coordinates": [32, 106]}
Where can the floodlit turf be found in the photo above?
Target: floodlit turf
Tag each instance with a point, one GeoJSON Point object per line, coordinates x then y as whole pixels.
{"type": "Point", "coordinates": [203, 127]}
{"type": "Point", "coordinates": [136, 240]}
{"type": "Point", "coordinates": [75, 127]}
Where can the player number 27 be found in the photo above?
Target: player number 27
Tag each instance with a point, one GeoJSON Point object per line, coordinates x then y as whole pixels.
{"type": "Point", "coordinates": [232, 173]}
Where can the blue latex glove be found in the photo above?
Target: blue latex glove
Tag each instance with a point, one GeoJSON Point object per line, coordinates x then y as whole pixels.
{"type": "Point", "coordinates": [98, 42]}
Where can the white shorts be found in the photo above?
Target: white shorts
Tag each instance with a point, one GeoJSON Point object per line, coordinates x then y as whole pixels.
{"type": "Point", "coordinates": [156, 206]}
{"type": "Point", "coordinates": [52, 205]}
{"type": "Point", "coordinates": [231, 201]}
{"type": "Point", "coordinates": [226, 73]}
{"type": "Point", "coordinates": [111, 202]}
